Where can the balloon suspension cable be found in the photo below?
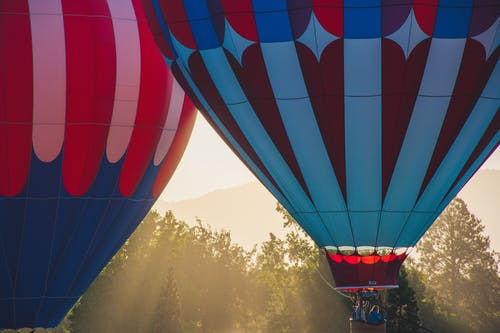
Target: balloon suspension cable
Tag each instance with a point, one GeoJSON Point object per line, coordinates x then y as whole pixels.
{"type": "Point", "coordinates": [296, 227]}
{"type": "Point", "coordinates": [331, 286]}
{"type": "Point", "coordinates": [372, 297]}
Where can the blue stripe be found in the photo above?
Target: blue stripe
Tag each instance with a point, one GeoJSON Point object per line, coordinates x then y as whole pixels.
{"type": "Point", "coordinates": [55, 234]}
{"type": "Point", "coordinates": [391, 225]}
{"type": "Point", "coordinates": [416, 223]}
{"type": "Point", "coordinates": [123, 227]}
{"type": "Point", "coordinates": [362, 19]}
{"type": "Point", "coordinates": [7, 311]}
{"type": "Point", "coordinates": [364, 227]}
{"type": "Point", "coordinates": [363, 126]}
{"type": "Point", "coordinates": [453, 19]}
{"type": "Point", "coordinates": [271, 18]}
{"type": "Point", "coordinates": [12, 215]}
{"type": "Point", "coordinates": [425, 124]}
{"type": "Point", "coordinates": [301, 125]}
{"type": "Point", "coordinates": [201, 24]}
{"type": "Point", "coordinates": [35, 247]}
{"type": "Point", "coordinates": [340, 228]}
{"type": "Point", "coordinates": [25, 311]}
{"type": "Point", "coordinates": [260, 6]}
{"type": "Point", "coordinates": [313, 225]}
{"type": "Point", "coordinates": [55, 310]}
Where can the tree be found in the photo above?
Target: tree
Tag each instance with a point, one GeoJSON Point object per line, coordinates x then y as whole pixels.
{"type": "Point", "coordinates": [402, 308]}
{"type": "Point", "coordinates": [460, 269]}
{"type": "Point", "coordinates": [166, 316]}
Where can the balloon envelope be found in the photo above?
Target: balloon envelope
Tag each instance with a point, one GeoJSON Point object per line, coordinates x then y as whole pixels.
{"type": "Point", "coordinates": [363, 118]}
{"type": "Point", "coordinates": [92, 125]}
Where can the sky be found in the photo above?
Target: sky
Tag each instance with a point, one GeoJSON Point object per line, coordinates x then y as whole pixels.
{"type": "Point", "coordinates": [208, 165]}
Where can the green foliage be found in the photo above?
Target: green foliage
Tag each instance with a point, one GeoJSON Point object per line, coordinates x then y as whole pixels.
{"type": "Point", "coordinates": [170, 277]}
{"type": "Point", "coordinates": [402, 308]}
{"type": "Point", "coordinates": [461, 285]}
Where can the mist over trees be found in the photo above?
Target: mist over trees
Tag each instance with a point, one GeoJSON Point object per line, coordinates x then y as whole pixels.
{"type": "Point", "coordinates": [172, 277]}
{"type": "Point", "coordinates": [456, 274]}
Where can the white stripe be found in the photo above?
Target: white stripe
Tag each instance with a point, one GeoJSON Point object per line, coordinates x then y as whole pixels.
{"type": "Point", "coordinates": [459, 152]}
{"type": "Point", "coordinates": [363, 135]}
{"type": "Point", "coordinates": [438, 81]}
{"type": "Point", "coordinates": [128, 73]}
{"type": "Point", "coordinates": [49, 77]}
{"type": "Point", "coordinates": [285, 76]}
{"type": "Point", "coordinates": [466, 142]}
{"type": "Point", "coordinates": [171, 122]}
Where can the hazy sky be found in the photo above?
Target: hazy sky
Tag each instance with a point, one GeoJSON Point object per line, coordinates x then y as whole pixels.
{"type": "Point", "coordinates": [208, 165]}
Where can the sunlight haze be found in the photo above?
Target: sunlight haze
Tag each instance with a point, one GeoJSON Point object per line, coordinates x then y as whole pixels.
{"type": "Point", "coordinates": [208, 165]}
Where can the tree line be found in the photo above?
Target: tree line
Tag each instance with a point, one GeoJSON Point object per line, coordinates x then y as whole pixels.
{"type": "Point", "coordinates": [173, 277]}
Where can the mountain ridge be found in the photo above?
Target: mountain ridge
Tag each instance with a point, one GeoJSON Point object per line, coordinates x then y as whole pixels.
{"type": "Point", "coordinates": [248, 211]}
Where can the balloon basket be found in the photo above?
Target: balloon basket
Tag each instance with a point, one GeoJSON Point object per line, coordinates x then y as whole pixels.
{"type": "Point", "coordinates": [357, 326]}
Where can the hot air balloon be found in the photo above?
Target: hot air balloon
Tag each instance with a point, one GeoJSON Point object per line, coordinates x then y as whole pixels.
{"type": "Point", "coordinates": [92, 125]}
{"type": "Point", "coordinates": [364, 118]}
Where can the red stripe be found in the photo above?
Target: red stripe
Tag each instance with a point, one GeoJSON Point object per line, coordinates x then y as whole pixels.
{"type": "Point", "coordinates": [91, 76]}
{"type": "Point", "coordinates": [14, 6]}
{"type": "Point", "coordinates": [491, 131]}
{"type": "Point", "coordinates": [470, 82]}
{"type": "Point", "coordinates": [187, 88]}
{"type": "Point", "coordinates": [154, 26]}
{"type": "Point", "coordinates": [177, 22]}
{"type": "Point", "coordinates": [240, 16]}
{"type": "Point", "coordinates": [174, 154]}
{"type": "Point", "coordinates": [325, 85]}
{"type": "Point", "coordinates": [330, 14]}
{"type": "Point", "coordinates": [485, 140]}
{"type": "Point", "coordinates": [425, 13]}
{"type": "Point", "coordinates": [211, 94]}
{"type": "Point", "coordinates": [16, 96]}
{"type": "Point", "coordinates": [255, 82]}
{"type": "Point", "coordinates": [400, 85]}
{"type": "Point", "coordinates": [154, 98]}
